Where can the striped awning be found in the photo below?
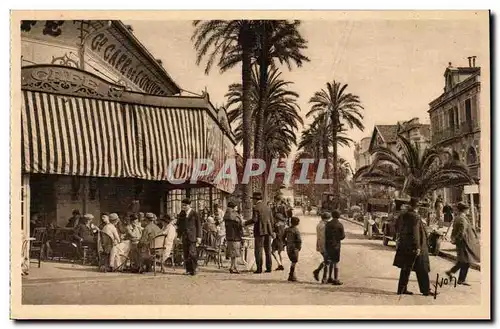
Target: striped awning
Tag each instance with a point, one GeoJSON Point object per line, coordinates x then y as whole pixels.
{"type": "Point", "coordinates": [92, 137]}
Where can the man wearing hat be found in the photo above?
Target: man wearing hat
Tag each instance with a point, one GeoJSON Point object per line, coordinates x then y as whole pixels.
{"type": "Point", "coordinates": [84, 234]}
{"type": "Point", "coordinates": [189, 231]}
{"type": "Point", "coordinates": [412, 251]}
{"type": "Point", "coordinates": [262, 232]}
{"type": "Point", "coordinates": [465, 238]}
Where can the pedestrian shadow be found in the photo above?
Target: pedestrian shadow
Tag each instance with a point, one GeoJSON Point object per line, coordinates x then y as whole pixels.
{"type": "Point", "coordinates": [79, 269]}
{"type": "Point", "coordinates": [274, 281]}
{"type": "Point", "coordinates": [358, 290]}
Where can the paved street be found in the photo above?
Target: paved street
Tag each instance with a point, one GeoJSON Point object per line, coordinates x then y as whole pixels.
{"type": "Point", "coordinates": [366, 270]}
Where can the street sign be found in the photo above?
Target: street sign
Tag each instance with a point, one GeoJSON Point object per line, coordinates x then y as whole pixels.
{"type": "Point", "coordinates": [471, 189]}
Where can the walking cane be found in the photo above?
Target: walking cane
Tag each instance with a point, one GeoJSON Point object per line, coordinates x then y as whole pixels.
{"type": "Point", "coordinates": [411, 268]}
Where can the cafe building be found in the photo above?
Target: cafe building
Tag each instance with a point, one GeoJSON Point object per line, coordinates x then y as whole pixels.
{"type": "Point", "coordinates": [102, 122]}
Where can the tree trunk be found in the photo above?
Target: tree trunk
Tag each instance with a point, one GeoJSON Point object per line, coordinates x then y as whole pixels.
{"type": "Point", "coordinates": [246, 82]}
{"type": "Point", "coordinates": [261, 109]}
{"type": "Point", "coordinates": [336, 185]}
{"type": "Point", "coordinates": [265, 187]}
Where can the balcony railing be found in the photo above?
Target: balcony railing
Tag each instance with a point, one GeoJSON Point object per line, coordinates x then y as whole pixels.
{"type": "Point", "coordinates": [457, 131]}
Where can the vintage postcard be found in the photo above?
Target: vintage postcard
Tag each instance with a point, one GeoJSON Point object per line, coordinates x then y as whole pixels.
{"type": "Point", "coordinates": [250, 165]}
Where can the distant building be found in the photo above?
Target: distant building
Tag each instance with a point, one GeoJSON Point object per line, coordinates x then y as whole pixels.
{"type": "Point", "coordinates": [455, 120]}
{"type": "Point", "coordinates": [387, 136]}
{"type": "Point", "coordinates": [362, 155]}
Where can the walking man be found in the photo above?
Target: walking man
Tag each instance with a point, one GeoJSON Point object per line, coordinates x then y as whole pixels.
{"type": "Point", "coordinates": [412, 253]}
{"type": "Point", "coordinates": [262, 220]}
{"type": "Point", "coordinates": [189, 229]}
{"type": "Point", "coordinates": [465, 238]}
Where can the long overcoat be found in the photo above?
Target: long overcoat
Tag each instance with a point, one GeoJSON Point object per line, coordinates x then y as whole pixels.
{"type": "Point", "coordinates": [262, 219]}
{"type": "Point", "coordinates": [466, 240]}
{"type": "Point", "coordinates": [412, 236]}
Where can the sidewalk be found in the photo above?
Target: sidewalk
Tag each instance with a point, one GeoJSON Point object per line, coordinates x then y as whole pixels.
{"type": "Point", "coordinates": [448, 250]}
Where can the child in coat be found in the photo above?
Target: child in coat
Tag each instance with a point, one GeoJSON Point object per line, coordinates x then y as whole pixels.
{"type": "Point", "coordinates": [320, 242]}
{"type": "Point", "coordinates": [293, 245]}
{"type": "Point", "coordinates": [334, 234]}
{"type": "Point", "coordinates": [278, 244]}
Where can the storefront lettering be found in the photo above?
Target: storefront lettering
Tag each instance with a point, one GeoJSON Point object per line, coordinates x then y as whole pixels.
{"type": "Point", "coordinates": [107, 51]}
{"type": "Point", "coordinates": [66, 81]}
{"type": "Point", "coordinates": [115, 55]}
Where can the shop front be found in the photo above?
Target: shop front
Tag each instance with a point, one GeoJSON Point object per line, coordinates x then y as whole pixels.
{"type": "Point", "coordinates": [90, 145]}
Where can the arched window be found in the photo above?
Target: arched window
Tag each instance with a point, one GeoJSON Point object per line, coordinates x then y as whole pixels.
{"type": "Point", "coordinates": [471, 156]}
{"type": "Point", "coordinates": [456, 156]}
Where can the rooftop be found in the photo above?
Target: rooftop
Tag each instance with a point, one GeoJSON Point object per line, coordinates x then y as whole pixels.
{"type": "Point", "coordinates": [388, 132]}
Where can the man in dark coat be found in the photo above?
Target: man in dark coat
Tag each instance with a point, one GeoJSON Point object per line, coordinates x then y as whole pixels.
{"type": "Point", "coordinates": [262, 231]}
{"type": "Point", "coordinates": [334, 234]}
{"type": "Point", "coordinates": [412, 253]}
{"type": "Point", "coordinates": [189, 231]}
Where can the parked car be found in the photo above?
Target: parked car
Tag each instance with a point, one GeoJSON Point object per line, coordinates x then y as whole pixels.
{"type": "Point", "coordinates": [376, 214]}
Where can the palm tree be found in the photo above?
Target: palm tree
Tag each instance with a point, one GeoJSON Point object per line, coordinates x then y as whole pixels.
{"type": "Point", "coordinates": [339, 108]}
{"type": "Point", "coordinates": [414, 172]}
{"type": "Point", "coordinates": [277, 40]}
{"type": "Point", "coordinates": [229, 43]}
{"type": "Point", "coordinates": [281, 115]}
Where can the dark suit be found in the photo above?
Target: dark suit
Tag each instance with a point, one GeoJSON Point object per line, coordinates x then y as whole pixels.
{"type": "Point", "coordinates": [412, 236]}
{"type": "Point", "coordinates": [189, 229]}
{"type": "Point", "coordinates": [262, 231]}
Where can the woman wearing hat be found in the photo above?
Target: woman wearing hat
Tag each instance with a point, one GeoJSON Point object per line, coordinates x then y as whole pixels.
{"type": "Point", "coordinates": [234, 234]}
{"type": "Point", "coordinates": [464, 237]}
{"type": "Point", "coordinates": [170, 230]}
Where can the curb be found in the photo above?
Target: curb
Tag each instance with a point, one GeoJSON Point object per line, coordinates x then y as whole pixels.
{"type": "Point", "coordinates": [443, 254]}
{"type": "Point", "coordinates": [351, 221]}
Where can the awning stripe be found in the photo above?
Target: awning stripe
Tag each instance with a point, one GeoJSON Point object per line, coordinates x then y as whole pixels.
{"type": "Point", "coordinates": [162, 130]}
{"type": "Point", "coordinates": [159, 141]}
{"type": "Point", "coordinates": [55, 132]}
{"type": "Point", "coordinates": [35, 134]}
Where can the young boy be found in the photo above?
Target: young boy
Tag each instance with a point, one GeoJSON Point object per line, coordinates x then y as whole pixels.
{"type": "Point", "coordinates": [293, 246]}
{"type": "Point", "coordinates": [334, 234]}
{"type": "Point", "coordinates": [278, 243]}
{"type": "Point", "coordinates": [320, 242]}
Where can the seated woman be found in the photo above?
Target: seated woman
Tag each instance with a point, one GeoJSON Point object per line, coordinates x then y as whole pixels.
{"type": "Point", "coordinates": [169, 229]}
{"type": "Point", "coordinates": [110, 229]}
{"type": "Point", "coordinates": [210, 225]}
{"type": "Point", "coordinates": [127, 246]}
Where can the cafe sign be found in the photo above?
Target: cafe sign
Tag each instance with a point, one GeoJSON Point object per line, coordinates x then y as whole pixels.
{"type": "Point", "coordinates": [120, 58]}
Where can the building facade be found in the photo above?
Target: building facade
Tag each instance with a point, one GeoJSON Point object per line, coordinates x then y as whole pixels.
{"type": "Point", "coordinates": [102, 124]}
{"type": "Point", "coordinates": [362, 156]}
{"type": "Point", "coordinates": [455, 121]}
{"type": "Point", "coordinates": [386, 136]}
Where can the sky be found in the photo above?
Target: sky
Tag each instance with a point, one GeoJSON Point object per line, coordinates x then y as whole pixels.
{"type": "Point", "coordinates": [396, 67]}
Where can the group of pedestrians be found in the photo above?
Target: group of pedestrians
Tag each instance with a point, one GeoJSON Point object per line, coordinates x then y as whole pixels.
{"type": "Point", "coordinates": [329, 235]}
{"type": "Point", "coordinates": [412, 252]}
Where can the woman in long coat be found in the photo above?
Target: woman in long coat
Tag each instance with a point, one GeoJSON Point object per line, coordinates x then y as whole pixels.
{"type": "Point", "coordinates": [412, 252]}
{"type": "Point", "coordinates": [234, 234]}
{"type": "Point", "coordinates": [464, 237]}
